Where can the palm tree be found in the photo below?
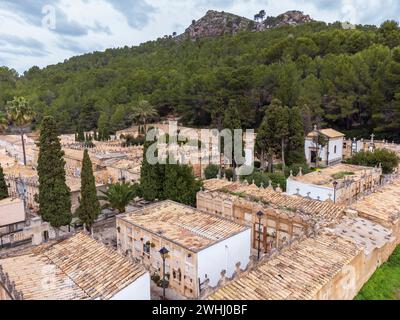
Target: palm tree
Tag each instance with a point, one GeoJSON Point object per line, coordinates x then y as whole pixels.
{"type": "Point", "coordinates": [143, 110]}
{"type": "Point", "coordinates": [119, 195]}
{"type": "Point", "coordinates": [20, 113]}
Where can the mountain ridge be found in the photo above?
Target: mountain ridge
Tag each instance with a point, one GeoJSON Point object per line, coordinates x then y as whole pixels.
{"type": "Point", "coordinates": [217, 23]}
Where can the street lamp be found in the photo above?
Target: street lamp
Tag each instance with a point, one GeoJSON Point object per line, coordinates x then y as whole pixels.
{"type": "Point", "coordinates": [164, 253]}
{"type": "Point", "coordinates": [259, 215]}
{"type": "Point", "coordinates": [335, 183]}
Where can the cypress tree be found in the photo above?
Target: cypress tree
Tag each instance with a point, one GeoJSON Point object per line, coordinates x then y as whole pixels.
{"type": "Point", "coordinates": [81, 134]}
{"type": "Point", "coordinates": [3, 185]}
{"type": "Point", "coordinates": [54, 196]}
{"type": "Point", "coordinates": [89, 206]}
{"type": "Point", "coordinates": [152, 178]}
{"type": "Point", "coordinates": [295, 148]}
{"type": "Point", "coordinates": [180, 184]}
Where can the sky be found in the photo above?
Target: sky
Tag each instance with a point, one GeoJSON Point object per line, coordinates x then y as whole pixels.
{"type": "Point", "coordinates": [44, 32]}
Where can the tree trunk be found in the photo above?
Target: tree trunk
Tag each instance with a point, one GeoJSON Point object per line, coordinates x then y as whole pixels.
{"type": "Point", "coordinates": [57, 231]}
{"type": "Point", "coordinates": [23, 145]}
{"type": "Point", "coordinates": [262, 160]}
{"type": "Point", "coordinates": [270, 162]}
{"type": "Point", "coordinates": [283, 155]}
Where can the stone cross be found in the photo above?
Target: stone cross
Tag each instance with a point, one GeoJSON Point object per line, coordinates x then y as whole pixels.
{"type": "Point", "coordinates": [372, 138]}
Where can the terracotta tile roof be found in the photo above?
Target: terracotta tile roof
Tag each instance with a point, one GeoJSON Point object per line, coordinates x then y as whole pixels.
{"type": "Point", "coordinates": [327, 211]}
{"type": "Point", "coordinates": [297, 273]}
{"type": "Point", "coordinates": [73, 269]}
{"type": "Point", "coordinates": [325, 177]}
{"type": "Point", "coordinates": [382, 206]}
{"type": "Point", "coordinates": [187, 227]}
{"type": "Point", "coordinates": [330, 133]}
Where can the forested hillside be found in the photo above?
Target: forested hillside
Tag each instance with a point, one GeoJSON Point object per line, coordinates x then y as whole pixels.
{"type": "Point", "coordinates": [349, 79]}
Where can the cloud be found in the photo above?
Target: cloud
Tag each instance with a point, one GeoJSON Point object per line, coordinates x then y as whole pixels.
{"type": "Point", "coordinates": [33, 11]}
{"type": "Point", "coordinates": [29, 9]}
{"type": "Point", "coordinates": [21, 42]}
{"type": "Point", "coordinates": [137, 12]}
{"type": "Point", "coordinates": [76, 47]}
{"type": "Point", "coordinates": [216, 3]}
{"type": "Point", "coordinates": [68, 27]}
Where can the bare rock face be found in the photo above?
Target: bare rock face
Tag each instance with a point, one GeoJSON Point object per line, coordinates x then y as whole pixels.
{"type": "Point", "coordinates": [290, 18]}
{"type": "Point", "coordinates": [215, 24]}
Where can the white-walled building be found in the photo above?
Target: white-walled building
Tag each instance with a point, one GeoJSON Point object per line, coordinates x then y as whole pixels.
{"type": "Point", "coordinates": [12, 215]}
{"type": "Point", "coordinates": [342, 183]}
{"type": "Point", "coordinates": [327, 155]}
{"type": "Point", "coordinates": [78, 268]}
{"type": "Point", "coordinates": [202, 247]}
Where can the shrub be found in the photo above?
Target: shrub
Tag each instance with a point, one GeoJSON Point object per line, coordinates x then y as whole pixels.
{"type": "Point", "coordinates": [228, 173]}
{"type": "Point", "coordinates": [211, 172]}
{"type": "Point", "coordinates": [387, 158]}
{"type": "Point", "coordinates": [342, 174]}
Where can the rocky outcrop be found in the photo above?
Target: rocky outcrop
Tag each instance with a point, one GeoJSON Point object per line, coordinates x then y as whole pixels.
{"type": "Point", "coordinates": [290, 18]}
{"type": "Point", "coordinates": [215, 24]}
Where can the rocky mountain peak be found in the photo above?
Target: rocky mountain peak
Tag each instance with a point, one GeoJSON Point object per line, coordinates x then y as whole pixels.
{"type": "Point", "coordinates": [218, 23]}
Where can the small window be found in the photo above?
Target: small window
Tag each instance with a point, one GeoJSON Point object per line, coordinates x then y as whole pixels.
{"type": "Point", "coordinates": [335, 149]}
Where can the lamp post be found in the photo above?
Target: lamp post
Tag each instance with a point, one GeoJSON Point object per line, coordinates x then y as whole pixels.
{"type": "Point", "coordinates": [259, 215]}
{"type": "Point", "coordinates": [164, 252]}
{"type": "Point", "coordinates": [335, 183]}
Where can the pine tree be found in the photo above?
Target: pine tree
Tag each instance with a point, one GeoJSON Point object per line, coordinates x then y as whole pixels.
{"type": "Point", "coordinates": [231, 122]}
{"type": "Point", "coordinates": [282, 124]}
{"type": "Point", "coordinates": [3, 185]}
{"type": "Point", "coordinates": [270, 137]}
{"type": "Point", "coordinates": [89, 206]}
{"type": "Point", "coordinates": [54, 196]}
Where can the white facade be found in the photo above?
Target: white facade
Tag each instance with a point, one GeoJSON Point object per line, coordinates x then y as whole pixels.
{"type": "Point", "coordinates": [332, 153]}
{"type": "Point", "coordinates": [224, 255]}
{"type": "Point", "coordinates": [11, 211]}
{"type": "Point", "coordinates": [315, 192]}
{"type": "Point", "coordinates": [137, 290]}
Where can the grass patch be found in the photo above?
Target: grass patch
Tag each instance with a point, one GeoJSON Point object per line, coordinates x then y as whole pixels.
{"type": "Point", "coordinates": [385, 282]}
{"type": "Point", "coordinates": [342, 174]}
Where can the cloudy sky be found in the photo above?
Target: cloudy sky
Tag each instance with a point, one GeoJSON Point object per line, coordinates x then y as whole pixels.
{"type": "Point", "coordinates": [43, 32]}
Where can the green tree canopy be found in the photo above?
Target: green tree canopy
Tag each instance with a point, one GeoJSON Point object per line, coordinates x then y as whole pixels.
{"type": "Point", "coordinates": [3, 185]}
{"type": "Point", "coordinates": [89, 205]}
{"type": "Point", "coordinates": [54, 196]}
{"type": "Point", "coordinates": [119, 195]}
{"type": "Point", "coordinates": [20, 114]}
{"type": "Point", "coordinates": [211, 171]}
{"type": "Point", "coordinates": [387, 158]}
